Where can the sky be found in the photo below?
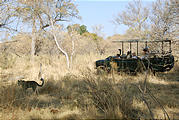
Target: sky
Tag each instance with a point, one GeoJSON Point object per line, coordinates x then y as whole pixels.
{"type": "Point", "coordinates": [102, 12]}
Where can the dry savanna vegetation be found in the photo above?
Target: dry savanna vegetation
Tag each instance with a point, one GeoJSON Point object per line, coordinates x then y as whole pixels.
{"type": "Point", "coordinates": [65, 58]}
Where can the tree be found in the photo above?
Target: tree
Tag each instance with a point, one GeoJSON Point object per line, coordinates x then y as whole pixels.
{"type": "Point", "coordinates": [164, 19]}
{"type": "Point", "coordinates": [37, 12]}
{"type": "Point", "coordinates": [66, 41]}
{"type": "Point", "coordinates": [83, 29]}
{"type": "Point", "coordinates": [78, 28]}
{"type": "Point", "coordinates": [5, 14]}
{"type": "Point", "coordinates": [73, 31]}
{"type": "Point", "coordinates": [98, 30]}
{"type": "Point", "coordinates": [7, 25]}
{"type": "Point", "coordinates": [39, 15]}
{"type": "Point", "coordinates": [58, 35]}
{"type": "Point", "coordinates": [97, 38]}
{"type": "Point", "coordinates": [135, 17]}
{"type": "Point", "coordinates": [55, 31]}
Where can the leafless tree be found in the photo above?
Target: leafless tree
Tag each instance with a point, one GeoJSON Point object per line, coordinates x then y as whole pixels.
{"type": "Point", "coordinates": [74, 35]}
{"type": "Point", "coordinates": [37, 13]}
{"type": "Point", "coordinates": [164, 19]}
{"type": "Point", "coordinates": [99, 38]}
{"type": "Point", "coordinates": [135, 17]}
{"type": "Point", "coordinates": [6, 14]}
{"type": "Point", "coordinates": [7, 25]}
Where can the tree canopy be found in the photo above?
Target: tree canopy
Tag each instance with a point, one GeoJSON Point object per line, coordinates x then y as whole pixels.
{"type": "Point", "coordinates": [37, 12]}
{"type": "Point", "coordinates": [78, 28]}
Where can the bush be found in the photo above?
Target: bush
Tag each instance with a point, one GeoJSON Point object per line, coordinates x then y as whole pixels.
{"type": "Point", "coordinates": [113, 100]}
{"type": "Point", "coordinates": [7, 60]}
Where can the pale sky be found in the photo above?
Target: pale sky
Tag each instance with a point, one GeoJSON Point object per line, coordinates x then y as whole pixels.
{"type": "Point", "coordinates": [102, 12]}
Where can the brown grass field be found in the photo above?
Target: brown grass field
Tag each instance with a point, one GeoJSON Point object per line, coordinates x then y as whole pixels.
{"type": "Point", "coordinates": [80, 93]}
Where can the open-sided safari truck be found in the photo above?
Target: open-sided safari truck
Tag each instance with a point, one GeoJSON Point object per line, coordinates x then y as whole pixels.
{"type": "Point", "coordinates": [141, 55]}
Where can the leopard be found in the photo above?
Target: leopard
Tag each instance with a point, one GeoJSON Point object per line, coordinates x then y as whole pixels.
{"type": "Point", "coordinates": [30, 84]}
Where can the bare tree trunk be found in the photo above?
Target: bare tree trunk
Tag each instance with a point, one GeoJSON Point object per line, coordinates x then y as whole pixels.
{"type": "Point", "coordinates": [73, 50]}
{"type": "Point", "coordinates": [33, 49]}
{"type": "Point", "coordinates": [64, 52]}
{"type": "Point", "coordinates": [33, 37]}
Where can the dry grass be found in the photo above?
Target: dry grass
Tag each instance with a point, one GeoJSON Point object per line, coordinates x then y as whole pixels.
{"type": "Point", "coordinates": [80, 93]}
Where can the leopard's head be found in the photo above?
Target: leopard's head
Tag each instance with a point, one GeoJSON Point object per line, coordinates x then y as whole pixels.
{"type": "Point", "coordinates": [20, 82]}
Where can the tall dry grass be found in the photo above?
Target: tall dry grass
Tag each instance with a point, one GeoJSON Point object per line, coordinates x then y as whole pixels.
{"type": "Point", "coordinates": [94, 97]}
{"type": "Point", "coordinates": [79, 93]}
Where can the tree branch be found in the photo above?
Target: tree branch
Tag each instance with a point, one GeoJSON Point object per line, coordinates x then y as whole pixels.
{"type": "Point", "coordinates": [2, 24]}
{"type": "Point", "coordinates": [57, 20]}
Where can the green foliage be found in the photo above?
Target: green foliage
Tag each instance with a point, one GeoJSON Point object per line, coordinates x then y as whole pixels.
{"type": "Point", "coordinates": [81, 29]}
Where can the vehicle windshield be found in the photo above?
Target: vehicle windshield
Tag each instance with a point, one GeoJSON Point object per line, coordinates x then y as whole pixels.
{"type": "Point", "coordinates": [109, 58]}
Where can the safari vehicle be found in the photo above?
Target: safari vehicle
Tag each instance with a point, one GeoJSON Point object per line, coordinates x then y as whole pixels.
{"type": "Point", "coordinates": [158, 59]}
